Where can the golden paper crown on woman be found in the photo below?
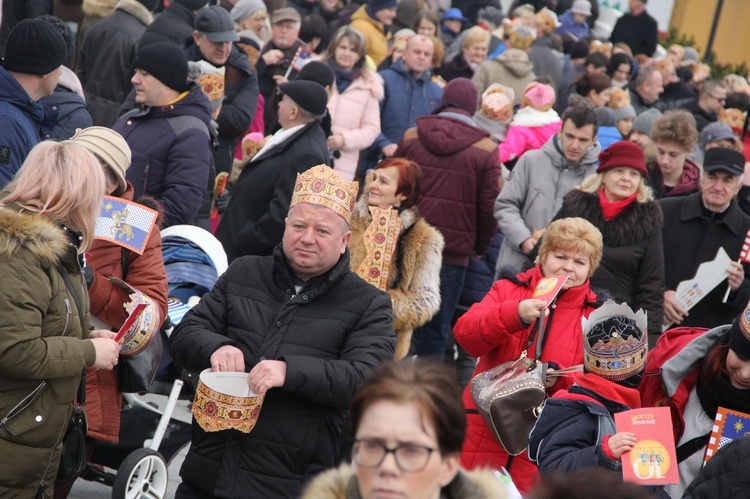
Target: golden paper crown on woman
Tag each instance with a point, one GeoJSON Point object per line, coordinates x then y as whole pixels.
{"type": "Point", "coordinates": [619, 97]}
{"type": "Point", "coordinates": [322, 186]}
{"type": "Point", "coordinates": [733, 117]}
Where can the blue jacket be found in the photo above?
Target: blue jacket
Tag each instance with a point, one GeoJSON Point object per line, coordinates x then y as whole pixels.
{"type": "Point", "coordinates": [406, 99]}
{"type": "Point", "coordinates": [570, 25]}
{"type": "Point", "coordinates": [23, 126]}
{"type": "Point", "coordinates": [72, 112]}
{"type": "Point", "coordinates": [171, 148]}
{"type": "Point", "coordinates": [608, 135]}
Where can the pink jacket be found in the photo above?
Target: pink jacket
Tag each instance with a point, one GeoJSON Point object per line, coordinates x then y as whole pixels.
{"type": "Point", "coordinates": [529, 130]}
{"type": "Point", "coordinates": [355, 115]}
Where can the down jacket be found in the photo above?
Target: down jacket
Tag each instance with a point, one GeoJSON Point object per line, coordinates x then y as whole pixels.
{"type": "Point", "coordinates": [632, 265]}
{"type": "Point", "coordinates": [40, 340]}
{"type": "Point", "coordinates": [460, 169]}
{"type": "Point", "coordinates": [414, 278]}
{"type": "Point", "coordinates": [355, 115]}
{"type": "Point", "coordinates": [727, 474]}
{"type": "Point", "coordinates": [492, 331]}
{"type": "Point", "coordinates": [332, 334]}
{"type": "Point", "coordinates": [375, 34]}
{"type": "Point", "coordinates": [171, 148]}
{"type": "Point", "coordinates": [511, 68]}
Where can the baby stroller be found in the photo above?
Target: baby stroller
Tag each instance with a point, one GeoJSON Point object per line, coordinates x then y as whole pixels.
{"type": "Point", "coordinates": [149, 437]}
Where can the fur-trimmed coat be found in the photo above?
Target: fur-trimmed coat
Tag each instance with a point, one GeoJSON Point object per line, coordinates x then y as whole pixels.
{"type": "Point", "coordinates": [41, 339]}
{"type": "Point", "coordinates": [632, 265]}
{"type": "Point", "coordinates": [414, 278]}
{"type": "Point", "coordinates": [341, 483]}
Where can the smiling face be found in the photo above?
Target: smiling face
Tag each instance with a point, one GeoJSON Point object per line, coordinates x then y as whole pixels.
{"type": "Point", "coordinates": [738, 370]}
{"type": "Point", "coordinates": [573, 264]}
{"type": "Point", "coordinates": [620, 183]}
{"type": "Point", "coordinates": [346, 56]}
{"type": "Point", "coordinates": [402, 424]}
{"type": "Point", "coordinates": [476, 52]}
{"type": "Point", "coordinates": [314, 239]}
{"type": "Point", "coordinates": [383, 187]}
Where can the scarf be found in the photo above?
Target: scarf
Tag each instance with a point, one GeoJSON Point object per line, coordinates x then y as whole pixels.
{"type": "Point", "coordinates": [380, 239]}
{"type": "Point", "coordinates": [344, 78]}
{"type": "Point", "coordinates": [721, 394]}
{"type": "Point", "coordinates": [611, 209]}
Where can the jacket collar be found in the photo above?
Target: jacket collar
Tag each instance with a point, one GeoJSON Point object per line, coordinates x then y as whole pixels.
{"type": "Point", "coordinates": [399, 67]}
{"type": "Point", "coordinates": [281, 146]}
{"type": "Point", "coordinates": [42, 237]}
{"type": "Point", "coordinates": [692, 210]}
{"type": "Point", "coordinates": [137, 10]}
{"type": "Point", "coordinates": [317, 285]}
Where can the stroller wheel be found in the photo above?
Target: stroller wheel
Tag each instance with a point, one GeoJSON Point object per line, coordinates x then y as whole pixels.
{"type": "Point", "coordinates": [143, 474]}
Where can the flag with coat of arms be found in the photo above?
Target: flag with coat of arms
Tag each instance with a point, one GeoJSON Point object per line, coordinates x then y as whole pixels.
{"type": "Point", "coordinates": [125, 223]}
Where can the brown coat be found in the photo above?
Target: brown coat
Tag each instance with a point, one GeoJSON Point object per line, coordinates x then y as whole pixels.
{"type": "Point", "coordinates": [145, 273]}
{"type": "Point", "coordinates": [414, 279]}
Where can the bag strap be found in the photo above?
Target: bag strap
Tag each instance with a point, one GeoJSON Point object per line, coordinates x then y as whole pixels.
{"type": "Point", "coordinates": [125, 262]}
{"type": "Point", "coordinates": [690, 447]}
{"type": "Point", "coordinates": [79, 306]}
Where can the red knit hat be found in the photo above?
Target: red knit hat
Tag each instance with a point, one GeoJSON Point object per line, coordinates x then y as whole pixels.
{"type": "Point", "coordinates": [622, 153]}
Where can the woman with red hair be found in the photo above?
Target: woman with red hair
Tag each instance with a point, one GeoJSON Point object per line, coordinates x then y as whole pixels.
{"type": "Point", "coordinates": [393, 248]}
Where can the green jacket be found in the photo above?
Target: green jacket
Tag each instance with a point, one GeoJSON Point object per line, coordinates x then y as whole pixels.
{"type": "Point", "coordinates": [40, 340]}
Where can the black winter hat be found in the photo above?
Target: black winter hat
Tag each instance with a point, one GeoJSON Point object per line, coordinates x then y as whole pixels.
{"type": "Point", "coordinates": [308, 95]}
{"type": "Point", "coordinates": [192, 4]}
{"type": "Point", "coordinates": [35, 47]}
{"type": "Point", "coordinates": [149, 4]}
{"type": "Point", "coordinates": [319, 72]}
{"type": "Point", "coordinates": [166, 61]}
{"type": "Point", "coordinates": [722, 158]}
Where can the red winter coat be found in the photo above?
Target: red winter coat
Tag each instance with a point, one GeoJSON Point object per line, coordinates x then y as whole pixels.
{"type": "Point", "coordinates": [492, 331]}
{"type": "Point", "coordinates": [145, 273]}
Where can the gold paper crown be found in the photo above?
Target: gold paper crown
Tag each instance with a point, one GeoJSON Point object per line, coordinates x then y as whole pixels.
{"type": "Point", "coordinates": [146, 326]}
{"type": "Point", "coordinates": [599, 46]}
{"type": "Point", "coordinates": [733, 117]}
{"type": "Point", "coordinates": [322, 186]}
{"type": "Point", "coordinates": [547, 20]}
{"type": "Point", "coordinates": [216, 410]}
{"type": "Point", "coordinates": [615, 341]}
{"type": "Point", "coordinates": [521, 36]}
{"type": "Point", "coordinates": [619, 97]}
{"type": "Point", "coordinates": [212, 85]}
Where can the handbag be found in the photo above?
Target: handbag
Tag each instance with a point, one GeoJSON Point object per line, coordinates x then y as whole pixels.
{"type": "Point", "coordinates": [509, 397]}
{"type": "Point", "coordinates": [73, 457]}
{"type": "Point", "coordinates": [136, 373]}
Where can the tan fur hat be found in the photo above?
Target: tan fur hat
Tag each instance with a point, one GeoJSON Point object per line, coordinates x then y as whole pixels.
{"type": "Point", "coordinates": [109, 146]}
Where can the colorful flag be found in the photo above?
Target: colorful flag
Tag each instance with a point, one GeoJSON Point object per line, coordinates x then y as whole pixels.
{"type": "Point", "coordinates": [301, 58]}
{"type": "Point", "coordinates": [728, 426]}
{"type": "Point", "coordinates": [125, 223]}
{"type": "Point", "coordinates": [744, 258]}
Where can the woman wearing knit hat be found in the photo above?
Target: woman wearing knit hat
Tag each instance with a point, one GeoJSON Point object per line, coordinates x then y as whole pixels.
{"type": "Point", "coordinates": [619, 203]}
{"type": "Point", "coordinates": [251, 15]}
{"type": "Point", "coordinates": [695, 371]}
{"type": "Point", "coordinates": [576, 429]}
{"type": "Point", "coordinates": [143, 271]}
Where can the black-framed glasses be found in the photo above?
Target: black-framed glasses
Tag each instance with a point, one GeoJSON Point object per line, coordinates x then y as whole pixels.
{"type": "Point", "coordinates": [720, 99]}
{"type": "Point", "coordinates": [410, 458]}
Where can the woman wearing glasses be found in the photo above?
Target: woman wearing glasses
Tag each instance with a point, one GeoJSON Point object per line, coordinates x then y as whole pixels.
{"type": "Point", "coordinates": [408, 426]}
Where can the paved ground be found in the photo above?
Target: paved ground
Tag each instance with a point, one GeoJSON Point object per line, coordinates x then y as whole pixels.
{"type": "Point", "coordinates": [91, 490]}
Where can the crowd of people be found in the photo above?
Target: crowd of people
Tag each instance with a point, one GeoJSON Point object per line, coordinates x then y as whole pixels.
{"type": "Point", "coordinates": [390, 181]}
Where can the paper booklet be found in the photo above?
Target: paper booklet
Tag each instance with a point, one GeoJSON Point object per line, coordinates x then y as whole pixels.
{"type": "Point", "coordinates": [728, 426]}
{"type": "Point", "coordinates": [653, 459]}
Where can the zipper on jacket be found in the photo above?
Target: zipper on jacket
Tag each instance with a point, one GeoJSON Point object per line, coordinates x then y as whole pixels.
{"type": "Point", "coordinates": [67, 316]}
{"type": "Point", "coordinates": [145, 178]}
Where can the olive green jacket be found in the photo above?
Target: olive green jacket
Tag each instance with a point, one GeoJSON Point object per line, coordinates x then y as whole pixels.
{"type": "Point", "coordinates": [40, 340]}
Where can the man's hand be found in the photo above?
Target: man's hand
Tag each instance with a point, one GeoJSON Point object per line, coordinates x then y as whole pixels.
{"type": "Point", "coordinates": [620, 443]}
{"type": "Point", "coordinates": [735, 275]}
{"type": "Point", "coordinates": [673, 313]}
{"type": "Point", "coordinates": [273, 57]}
{"type": "Point", "coordinates": [335, 141]}
{"type": "Point", "coordinates": [228, 359]}
{"type": "Point", "coordinates": [267, 374]}
{"type": "Point", "coordinates": [530, 310]}
{"type": "Point", "coordinates": [528, 245]}
{"type": "Point", "coordinates": [390, 150]}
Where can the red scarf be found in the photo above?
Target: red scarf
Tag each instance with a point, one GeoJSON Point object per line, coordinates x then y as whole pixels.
{"type": "Point", "coordinates": [612, 209]}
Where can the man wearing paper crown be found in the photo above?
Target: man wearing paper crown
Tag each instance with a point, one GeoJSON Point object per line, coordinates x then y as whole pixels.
{"type": "Point", "coordinates": [695, 372]}
{"type": "Point", "coordinates": [576, 429]}
{"type": "Point", "coordinates": [306, 328]}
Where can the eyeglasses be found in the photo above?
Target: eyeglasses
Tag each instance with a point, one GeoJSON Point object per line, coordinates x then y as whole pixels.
{"type": "Point", "coordinates": [409, 458]}
{"type": "Point", "coordinates": [720, 99]}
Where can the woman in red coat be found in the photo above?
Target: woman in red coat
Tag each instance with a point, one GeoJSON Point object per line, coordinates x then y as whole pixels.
{"type": "Point", "coordinates": [496, 330]}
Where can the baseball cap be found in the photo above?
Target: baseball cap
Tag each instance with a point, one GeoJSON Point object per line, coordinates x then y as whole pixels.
{"type": "Point", "coordinates": [216, 23]}
{"type": "Point", "coordinates": [721, 158]}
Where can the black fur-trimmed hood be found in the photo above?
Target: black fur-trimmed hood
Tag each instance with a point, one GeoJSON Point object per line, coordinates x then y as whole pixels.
{"type": "Point", "coordinates": [637, 222]}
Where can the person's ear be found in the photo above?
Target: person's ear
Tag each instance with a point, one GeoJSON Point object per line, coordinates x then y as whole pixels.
{"type": "Point", "coordinates": [448, 468]}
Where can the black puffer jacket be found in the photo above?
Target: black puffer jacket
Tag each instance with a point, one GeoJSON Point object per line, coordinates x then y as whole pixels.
{"type": "Point", "coordinates": [632, 265]}
{"type": "Point", "coordinates": [174, 25]}
{"type": "Point", "coordinates": [331, 336]}
{"type": "Point", "coordinates": [727, 474]}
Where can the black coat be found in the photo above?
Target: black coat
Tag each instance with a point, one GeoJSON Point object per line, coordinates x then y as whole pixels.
{"type": "Point", "coordinates": [174, 25]}
{"type": "Point", "coordinates": [239, 104]}
{"type": "Point", "coordinates": [632, 265]}
{"type": "Point", "coordinates": [331, 335]}
{"type": "Point", "coordinates": [692, 237]}
{"type": "Point", "coordinates": [456, 68]}
{"type": "Point", "coordinates": [254, 220]}
{"type": "Point", "coordinates": [727, 474]}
